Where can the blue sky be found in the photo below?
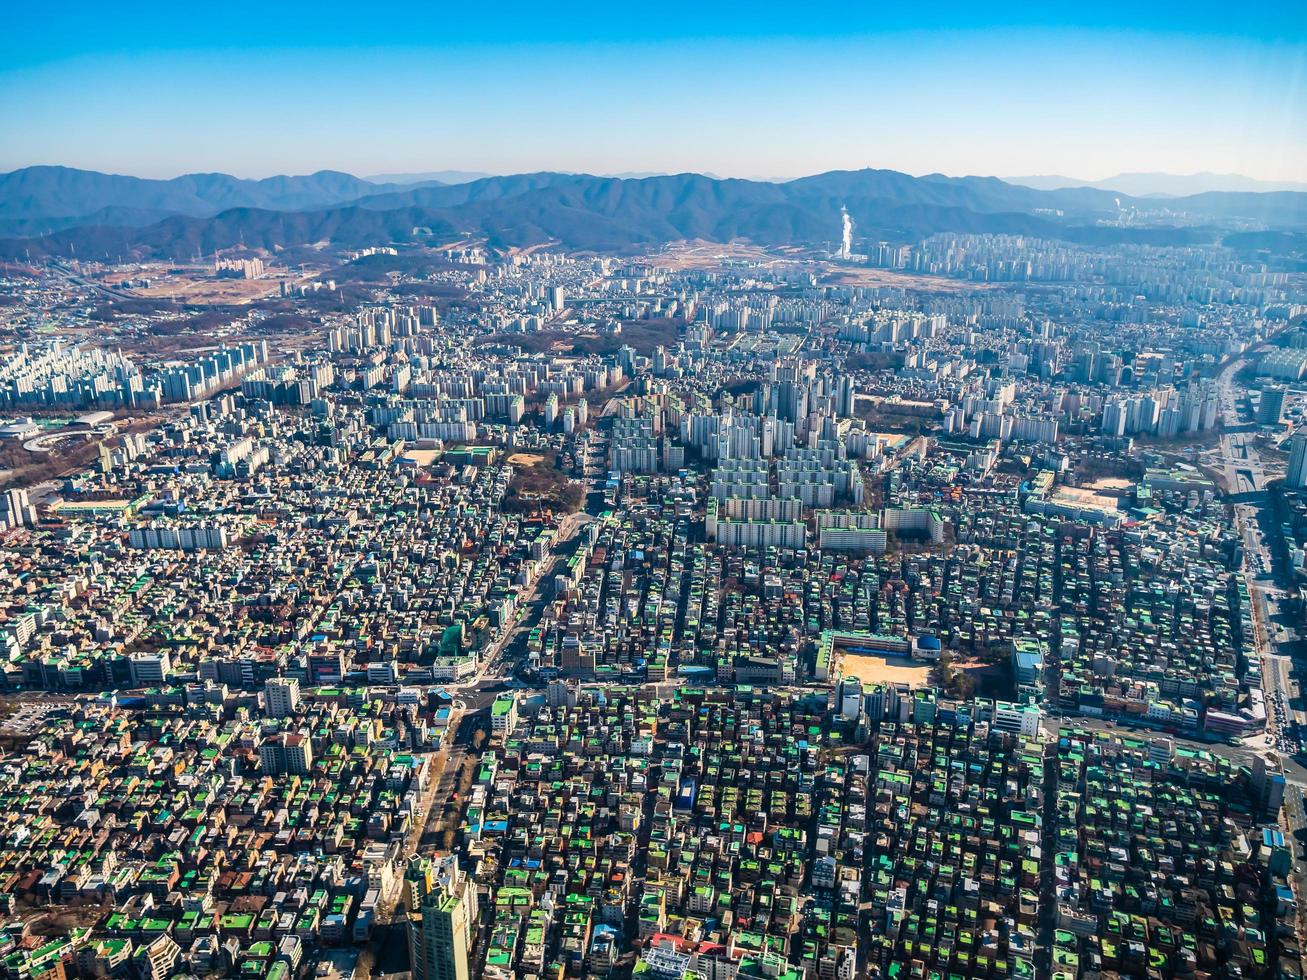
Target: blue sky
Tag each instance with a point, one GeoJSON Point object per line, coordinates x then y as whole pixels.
{"type": "Point", "coordinates": [759, 89]}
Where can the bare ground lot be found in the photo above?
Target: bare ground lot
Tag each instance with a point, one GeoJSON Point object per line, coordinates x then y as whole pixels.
{"type": "Point", "coordinates": [525, 459]}
{"type": "Point", "coordinates": [198, 285]}
{"type": "Point", "coordinates": [713, 255]}
{"type": "Point", "coordinates": [842, 275]}
{"type": "Point", "coordinates": [424, 457]}
{"type": "Point", "coordinates": [885, 670]}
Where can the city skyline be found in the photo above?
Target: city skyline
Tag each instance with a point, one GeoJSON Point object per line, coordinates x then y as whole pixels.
{"type": "Point", "coordinates": [1049, 90]}
{"type": "Point", "coordinates": [653, 492]}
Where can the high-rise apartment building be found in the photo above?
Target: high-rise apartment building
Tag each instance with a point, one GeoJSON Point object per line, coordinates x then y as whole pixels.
{"type": "Point", "coordinates": [289, 753]}
{"type": "Point", "coordinates": [18, 510]}
{"type": "Point", "coordinates": [281, 697]}
{"type": "Point", "coordinates": [1296, 475]}
{"type": "Point", "coordinates": [1270, 410]}
{"type": "Point", "coordinates": [442, 930]}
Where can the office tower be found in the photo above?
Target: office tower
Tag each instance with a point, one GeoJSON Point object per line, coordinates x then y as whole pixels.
{"type": "Point", "coordinates": [281, 696]}
{"type": "Point", "coordinates": [1296, 475]}
{"type": "Point", "coordinates": [443, 929]}
{"type": "Point", "coordinates": [1271, 408]}
{"type": "Point", "coordinates": [556, 299]}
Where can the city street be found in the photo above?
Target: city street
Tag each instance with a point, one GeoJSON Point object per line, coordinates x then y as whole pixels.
{"type": "Point", "coordinates": [1275, 626]}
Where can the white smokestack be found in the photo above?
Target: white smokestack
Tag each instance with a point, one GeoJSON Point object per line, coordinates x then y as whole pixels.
{"type": "Point", "coordinates": [846, 238]}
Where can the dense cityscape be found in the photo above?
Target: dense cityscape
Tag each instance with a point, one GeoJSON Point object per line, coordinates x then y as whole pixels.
{"type": "Point", "coordinates": [705, 492]}
{"type": "Point", "coordinates": [916, 610]}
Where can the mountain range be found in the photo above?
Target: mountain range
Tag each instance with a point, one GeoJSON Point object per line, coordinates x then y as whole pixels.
{"type": "Point", "coordinates": [36, 200]}
{"type": "Point", "coordinates": [434, 176]}
{"type": "Point", "coordinates": [61, 212]}
{"type": "Point", "coordinates": [1162, 185]}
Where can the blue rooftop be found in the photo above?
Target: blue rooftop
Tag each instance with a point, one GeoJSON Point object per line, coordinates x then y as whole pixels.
{"type": "Point", "coordinates": [1029, 660]}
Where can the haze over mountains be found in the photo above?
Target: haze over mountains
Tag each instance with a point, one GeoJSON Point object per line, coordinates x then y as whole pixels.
{"type": "Point", "coordinates": [35, 200]}
{"type": "Point", "coordinates": [434, 176]}
{"type": "Point", "coordinates": [61, 211]}
{"type": "Point", "coordinates": [1160, 184]}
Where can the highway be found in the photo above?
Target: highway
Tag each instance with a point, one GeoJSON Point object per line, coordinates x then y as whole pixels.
{"type": "Point", "coordinates": [80, 280]}
{"type": "Point", "coordinates": [1274, 625]}
{"type": "Point", "coordinates": [1237, 455]}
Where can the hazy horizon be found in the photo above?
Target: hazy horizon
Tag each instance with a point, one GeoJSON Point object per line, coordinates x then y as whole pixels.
{"type": "Point", "coordinates": [440, 174]}
{"type": "Point", "coordinates": [1025, 90]}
